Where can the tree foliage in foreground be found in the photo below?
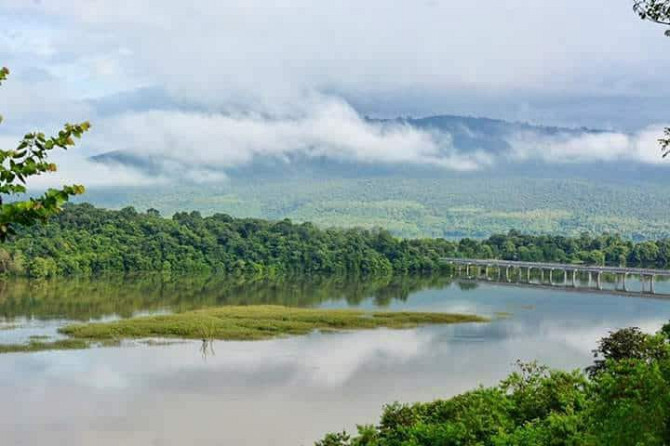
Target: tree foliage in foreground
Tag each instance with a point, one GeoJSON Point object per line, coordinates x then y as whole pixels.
{"type": "Point", "coordinates": [624, 401]}
{"type": "Point", "coordinates": [30, 158]}
{"type": "Point", "coordinates": [657, 11]}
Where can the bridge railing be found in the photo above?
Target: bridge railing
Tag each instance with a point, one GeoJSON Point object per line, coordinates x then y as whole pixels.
{"type": "Point", "coordinates": [558, 266]}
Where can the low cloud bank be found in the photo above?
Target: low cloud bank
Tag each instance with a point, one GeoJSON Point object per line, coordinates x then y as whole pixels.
{"type": "Point", "coordinates": [329, 128]}
{"type": "Point", "coordinates": [641, 147]}
{"type": "Point", "coordinates": [197, 146]}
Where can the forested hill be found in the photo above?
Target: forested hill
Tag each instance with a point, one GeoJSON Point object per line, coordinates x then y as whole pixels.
{"type": "Point", "coordinates": [537, 195]}
{"type": "Point", "coordinates": [84, 240]}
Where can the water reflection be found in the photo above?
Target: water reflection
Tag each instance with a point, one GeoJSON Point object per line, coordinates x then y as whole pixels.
{"type": "Point", "coordinates": [207, 348]}
{"type": "Point", "coordinates": [290, 391]}
{"type": "Point", "coordinates": [582, 287]}
{"type": "Point", "coordinates": [607, 283]}
{"type": "Point", "coordinates": [86, 299]}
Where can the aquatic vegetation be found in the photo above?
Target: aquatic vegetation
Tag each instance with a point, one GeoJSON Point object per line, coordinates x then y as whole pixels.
{"type": "Point", "coordinates": [256, 322]}
{"type": "Point", "coordinates": [38, 346]}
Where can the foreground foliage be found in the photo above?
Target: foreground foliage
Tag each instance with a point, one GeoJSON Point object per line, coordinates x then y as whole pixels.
{"type": "Point", "coordinates": [30, 158]}
{"type": "Point", "coordinates": [256, 322]}
{"type": "Point", "coordinates": [623, 400]}
{"type": "Point", "coordinates": [84, 240]}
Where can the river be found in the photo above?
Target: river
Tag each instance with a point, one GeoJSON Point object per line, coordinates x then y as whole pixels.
{"type": "Point", "coordinates": [279, 392]}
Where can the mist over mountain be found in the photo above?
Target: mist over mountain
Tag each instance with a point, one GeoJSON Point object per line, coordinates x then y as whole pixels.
{"type": "Point", "coordinates": [537, 193]}
{"type": "Point", "coordinates": [254, 118]}
{"type": "Point", "coordinates": [494, 140]}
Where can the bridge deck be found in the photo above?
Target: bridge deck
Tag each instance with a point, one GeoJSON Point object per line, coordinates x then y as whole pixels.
{"type": "Point", "coordinates": [559, 266]}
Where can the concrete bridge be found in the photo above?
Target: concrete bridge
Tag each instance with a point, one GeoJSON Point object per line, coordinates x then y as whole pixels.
{"type": "Point", "coordinates": [595, 273]}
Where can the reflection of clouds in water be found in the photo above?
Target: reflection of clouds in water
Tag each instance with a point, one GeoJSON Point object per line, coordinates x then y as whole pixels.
{"type": "Point", "coordinates": [587, 337]}
{"type": "Point", "coordinates": [320, 360]}
{"type": "Point", "coordinates": [332, 360]}
{"type": "Point", "coordinates": [105, 378]}
{"type": "Point", "coordinates": [317, 359]}
{"type": "Point", "coordinates": [169, 395]}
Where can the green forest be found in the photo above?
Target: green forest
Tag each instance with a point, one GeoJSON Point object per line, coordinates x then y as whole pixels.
{"type": "Point", "coordinates": [84, 240]}
{"type": "Point", "coordinates": [429, 205]}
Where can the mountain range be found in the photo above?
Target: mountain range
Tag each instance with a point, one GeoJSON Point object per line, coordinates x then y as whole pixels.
{"type": "Point", "coordinates": [414, 200]}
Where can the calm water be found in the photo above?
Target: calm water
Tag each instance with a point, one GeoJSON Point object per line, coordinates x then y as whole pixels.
{"type": "Point", "coordinates": [280, 392]}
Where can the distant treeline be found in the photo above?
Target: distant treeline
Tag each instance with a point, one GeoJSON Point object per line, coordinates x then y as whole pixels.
{"type": "Point", "coordinates": [84, 240]}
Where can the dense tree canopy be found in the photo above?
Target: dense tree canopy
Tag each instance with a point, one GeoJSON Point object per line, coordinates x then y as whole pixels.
{"type": "Point", "coordinates": [84, 240]}
{"type": "Point", "coordinates": [30, 158]}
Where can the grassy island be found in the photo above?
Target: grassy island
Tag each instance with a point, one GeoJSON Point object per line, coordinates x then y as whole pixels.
{"type": "Point", "coordinates": [256, 322]}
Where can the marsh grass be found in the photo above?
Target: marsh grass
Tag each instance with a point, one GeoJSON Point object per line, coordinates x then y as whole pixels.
{"type": "Point", "coordinates": [160, 342]}
{"type": "Point", "coordinates": [39, 337]}
{"type": "Point", "coordinates": [9, 327]}
{"type": "Point", "coordinates": [39, 346]}
{"type": "Point", "coordinates": [255, 323]}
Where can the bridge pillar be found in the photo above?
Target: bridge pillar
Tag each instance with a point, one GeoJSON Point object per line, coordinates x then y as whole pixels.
{"type": "Point", "coordinates": [625, 287]}
{"type": "Point", "coordinates": [467, 270]}
{"type": "Point", "coordinates": [507, 273]}
{"type": "Point", "coordinates": [541, 275]}
{"type": "Point", "coordinates": [642, 283]}
{"type": "Point", "coordinates": [574, 282]}
{"type": "Point", "coordinates": [590, 278]}
{"type": "Point", "coordinates": [551, 279]}
{"type": "Point", "coordinates": [651, 284]}
{"type": "Point", "coordinates": [599, 283]}
{"type": "Point", "coordinates": [528, 274]}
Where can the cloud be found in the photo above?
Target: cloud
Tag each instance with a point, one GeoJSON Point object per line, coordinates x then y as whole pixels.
{"type": "Point", "coordinates": [200, 147]}
{"type": "Point", "coordinates": [565, 148]}
{"type": "Point", "coordinates": [26, 106]}
{"type": "Point", "coordinates": [241, 80]}
{"type": "Point", "coordinates": [253, 54]}
{"type": "Point", "coordinates": [325, 127]}
{"type": "Point", "coordinates": [75, 167]}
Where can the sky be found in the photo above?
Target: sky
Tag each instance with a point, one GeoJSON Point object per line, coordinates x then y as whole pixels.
{"type": "Point", "coordinates": [214, 84]}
